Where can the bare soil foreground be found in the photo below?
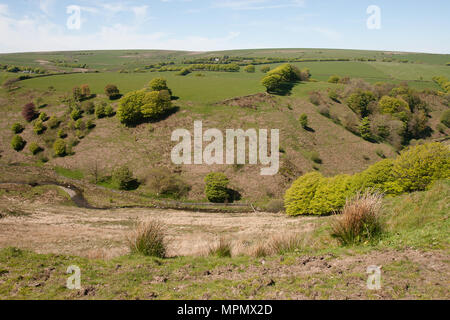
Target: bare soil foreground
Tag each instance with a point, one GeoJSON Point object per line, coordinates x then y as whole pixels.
{"type": "Point", "coordinates": [42, 233]}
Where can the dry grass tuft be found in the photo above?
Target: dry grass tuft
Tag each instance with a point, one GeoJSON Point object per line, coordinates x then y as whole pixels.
{"type": "Point", "coordinates": [222, 249]}
{"type": "Point", "coordinates": [148, 239]}
{"type": "Point", "coordinates": [360, 219]}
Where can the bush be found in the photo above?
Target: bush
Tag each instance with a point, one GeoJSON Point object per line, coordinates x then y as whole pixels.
{"type": "Point", "coordinates": [303, 121]}
{"type": "Point", "coordinates": [445, 118]}
{"type": "Point", "coordinates": [59, 148]}
{"type": "Point", "coordinates": [359, 102]}
{"type": "Point", "coordinates": [61, 134]}
{"type": "Point", "coordinates": [123, 178]}
{"type": "Point", "coordinates": [34, 148]}
{"type": "Point", "coordinates": [360, 220]}
{"type": "Point", "coordinates": [418, 167]}
{"type": "Point", "coordinates": [111, 91]}
{"type": "Point", "coordinates": [88, 107]}
{"type": "Point", "coordinates": [80, 125]}
{"type": "Point", "coordinates": [376, 177]}
{"type": "Point", "coordinates": [333, 96]}
{"type": "Point", "coordinates": [330, 194]}
{"type": "Point", "coordinates": [278, 77]}
{"type": "Point", "coordinates": [163, 183]}
{"type": "Point", "coordinates": [85, 91]}
{"type": "Point", "coordinates": [76, 94]}
{"type": "Point", "coordinates": [18, 143]}
{"type": "Point", "coordinates": [100, 111]}
{"type": "Point", "coordinates": [298, 197]}
{"type": "Point", "coordinates": [183, 72]}
{"type": "Point", "coordinates": [39, 127]}
{"type": "Point", "coordinates": [324, 110]}
{"type": "Point", "coordinates": [334, 79]}
{"type": "Point", "coordinates": [265, 69]}
{"type": "Point", "coordinates": [223, 249]}
{"type": "Point", "coordinates": [109, 111]}
{"type": "Point", "coordinates": [76, 114]}
{"type": "Point", "coordinates": [139, 105]}
{"type": "Point", "coordinates": [53, 122]}
{"type": "Point", "coordinates": [43, 116]}
{"type": "Point", "coordinates": [394, 106]}
{"type": "Point", "coordinates": [17, 128]}
{"type": "Point", "coordinates": [29, 112]}
{"type": "Point", "coordinates": [364, 129]}
{"type": "Point", "coordinates": [158, 84]}
{"type": "Point", "coordinates": [250, 69]}
{"type": "Point", "coordinates": [148, 239]}
{"type": "Point", "coordinates": [275, 206]}
{"type": "Point", "coordinates": [314, 98]}
{"type": "Point", "coordinates": [217, 187]}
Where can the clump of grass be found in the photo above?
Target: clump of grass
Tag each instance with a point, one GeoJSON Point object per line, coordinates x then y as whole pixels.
{"type": "Point", "coordinates": [286, 244]}
{"type": "Point", "coordinates": [148, 239]}
{"type": "Point", "coordinates": [360, 219]}
{"type": "Point", "coordinates": [222, 249]}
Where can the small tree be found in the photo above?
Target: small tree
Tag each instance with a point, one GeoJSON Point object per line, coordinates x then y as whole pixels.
{"type": "Point", "coordinates": [34, 148]}
{"type": "Point", "coordinates": [39, 127]}
{"type": "Point", "coordinates": [445, 118]}
{"type": "Point", "coordinates": [111, 91]}
{"type": "Point", "coordinates": [272, 82]}
{"type": "Point", "coordinates": [88, 107]}
{"type": "Point", "coordinates": [109, 111]}
{"type": "Point", "coordinates": [158, 84]}
{"type": "Point", "coordinates": [303, 121]}
{"type": "Point", "coordinates": [250, 69]}
{"type": "Point", "coordinates": [122, 177]}
{"type": "Point", "coordinates": [217, 187]}
{"type": "Point", "coordinates": [364, 129]}
{"type": "Point", "coordinates": [334, 79]}
{"type": "Point", "coordinates": [18, 143]}
{"type": "Point", "coordinates": [77, 94]}
{"type": "Point", "coordinates": [29, 112]}
{"type": "Point", "coordinates": [76, 114]}
{"type": "Point", "coordinates": [59, 148]}
{"type": "Point", "coordinates": [265, 69]}
{"type": "Point", "coordinates": [359, 102]}
{"type": "Point", "coordinates": [85, 91]}
{"type": "Point", "coordinates": [17, 128]}
{"type": "Point", "coordinates": [100, 111]}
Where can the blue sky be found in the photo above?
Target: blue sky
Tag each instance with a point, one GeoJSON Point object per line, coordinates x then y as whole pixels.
{"type": "Point", "coordinates": [204, 25]}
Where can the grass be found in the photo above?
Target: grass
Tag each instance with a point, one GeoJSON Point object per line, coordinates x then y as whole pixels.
{"type": "Point", "coordinates": [148, 239]}
{"type": "Point", "coordinates": [70, 173]}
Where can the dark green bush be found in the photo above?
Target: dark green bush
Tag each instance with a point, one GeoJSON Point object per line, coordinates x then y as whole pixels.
{"type": "Point", "coordinates": [17, 128]}
{"type": "Point", "coordinates": [123, 178]}
{"type": "Point", "coordinates": [18, 143]}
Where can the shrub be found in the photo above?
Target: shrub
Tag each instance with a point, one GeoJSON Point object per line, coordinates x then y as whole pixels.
{"type": "Point", "coordinates": [148, 239]}
{"type": "Point", "coordinates": [61, 134]}
{"type": "Point", "coordinates": [250, 68]}
{"type": "Point", "coordinates": [333, 96]}
{"type": "Point", "coordinates": [324, 110]}
{"type": "Point", "coordinates": [275, 79]}
{"type": "Point", "coordinates": [111, 91]}
{"type": "Point", "coordinates": [418, 167]}
{"type": "Point", "coordinates": [359, 102]}
{"type": "Point", "coordinates": [217, 187]}
{"type": "Point", "coordinates": [298, 197]}
{"type": "Point", "coordinates": [183, 72]}
{"type": "Point", "coordinates": [303, 120]}
{"type": "Point", "coordinates": [59, 148]}
{"type": "Point", "coordinates": [314, 98]}
{"type": "Point", "coordinates": [17, 128]}
{"type": "Point", "coordinates": [275, 206]}
{"type": "Point", "coordinates": [223, 249]}
{"type": "Point", "coordinates": [76, 114]}
{"type": "Point", "coordinates": [90, 124]}
{"type": "Point", "coordinates": [80, 125]}
{"type": "Point", "coordinates": [376, 177]}
{"type": "Point", "coordinates": [18, 143]}
{"type": "Point", "coordinates": [85, 91]}
{"type": "Point", "coordinates": [394, 106]}
{"type": "Point", "coordinates": [271, 82]}
{"type": "Point", "coordinates": [164, 183]}
{"type": "Point", "coordinates": [39, 127]}
{"type": "Point", "coordinates": [445, 118]}
{"type": "Point", "coordinates": [330, 194]}
{"type": "Point", "coordinates": [138, 105]}
{"type": "Point", "coordinates": [364, 129]}
{"type": "Point", "coordinates": [265, 69]}
{"type": "Point", "coordinates": [360, 220]}
{"type": "Point", "coordinates": [29, 112]}
{"type": "Point", "coordinates": [88, 107]}
{"type": "Point", "coordinates": [34, 148]}
{"type": "Point", "coordinates": [334, 79]}
{"type": "Point", "coordinates": [76, 94]}
{"type": "Point", "coordinates": [158, 84]}
{"type": "Point", "coordinates": [43, 116]}
{"type": "Point", "coordinates": [109, 111]}
{"type": "Point", "coordinates": [123, 178]}
{"type": "Point", "coordinates": [53, 122]}
{"type": "Point", "coordinates": [100, 111]}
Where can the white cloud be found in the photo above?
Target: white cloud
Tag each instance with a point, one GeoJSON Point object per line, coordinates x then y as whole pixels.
{"type": "Point", "coordinates": [45, 5]}
{"type": "Point", "coordinates": [258, 4]}
{"type": "Point", "coordinates": [4, 9]}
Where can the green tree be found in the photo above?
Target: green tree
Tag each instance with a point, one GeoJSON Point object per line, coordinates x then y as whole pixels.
{"type": "Point", "coordinates": [112, 91]}
{"type": "Point", "coordinates": [123, 178]}
{"type": "Point", "coordinates": [18, 143]}
{"type": "Point", "coordinates": [17, 128]}
{"type": "Point", "coordinates": [217, 187]}
{"type": "Point", "coordinates": [359, 102]}
{"type": "Point", "coordinates": [399, 108]}
{"type": "Point", "coordinates": [250, 68]}
{"type": "Point", "coordinates": [303, 121]}
{"type": "Point", "coordinates": [334, 79]}
{"type": "Point", "coordinates": [364, 129]}
{"type": "Point", "coordinates": [158, 84]}
{"type": "Point", "coordinates": [265, 69]}
{"type": "Point", "coordinates": [59, 148]}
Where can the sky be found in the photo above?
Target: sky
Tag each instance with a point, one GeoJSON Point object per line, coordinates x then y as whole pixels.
{"type": "Point", "coordinates": [210, 25]}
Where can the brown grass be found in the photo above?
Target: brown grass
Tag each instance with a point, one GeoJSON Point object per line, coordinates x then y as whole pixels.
{"type": "Point", "coordinates": [360, 219]}
{"type": "Point", "coordinates": [148, 239]}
